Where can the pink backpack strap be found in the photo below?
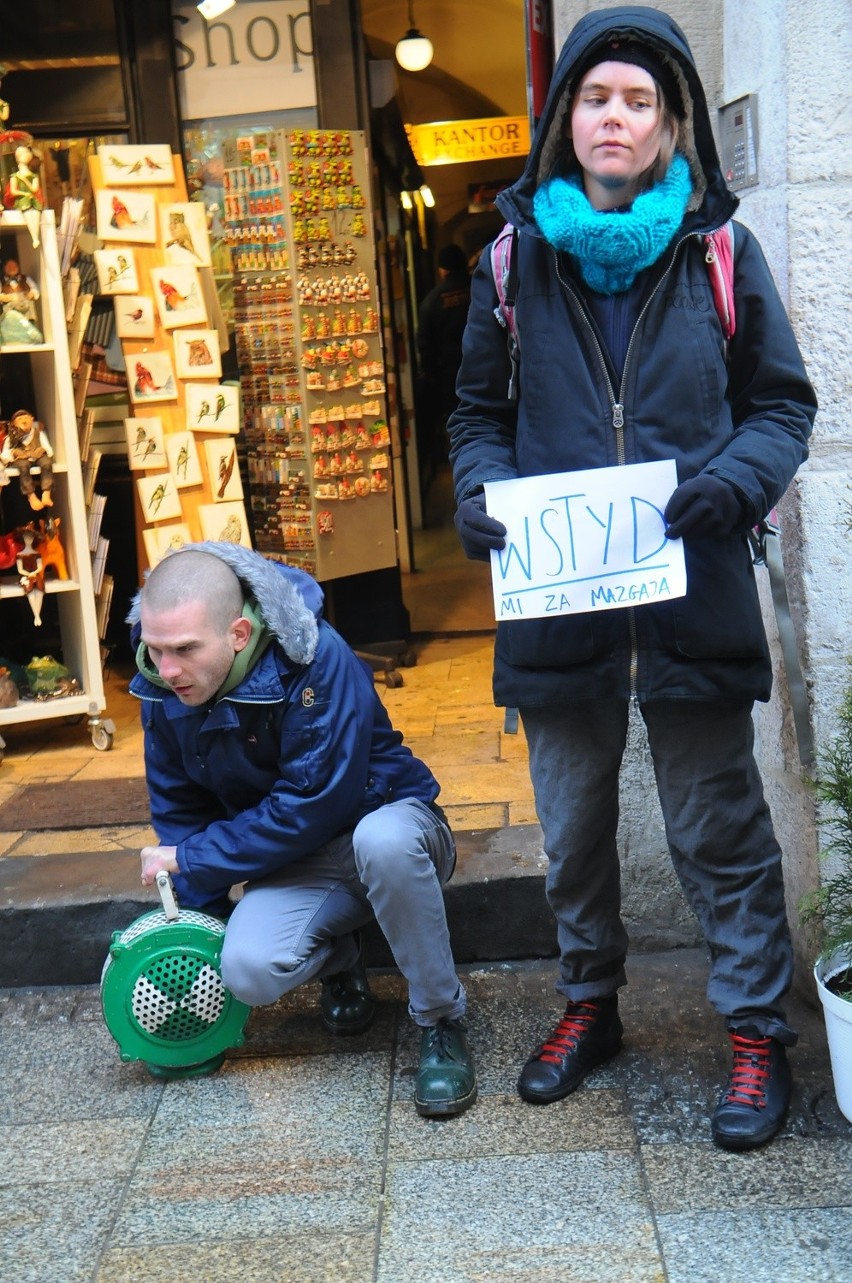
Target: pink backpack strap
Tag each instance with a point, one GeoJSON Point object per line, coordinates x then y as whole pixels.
{"type": "Point", "coordinates": [501, 263]}
{"type": "Point", "coordinates": [504, 269]}
{"type": "Point", "coordinates": [719, 257]}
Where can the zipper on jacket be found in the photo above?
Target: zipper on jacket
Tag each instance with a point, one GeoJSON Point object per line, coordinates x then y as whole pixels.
{"type": "Point", "coordinates": [617, 412]}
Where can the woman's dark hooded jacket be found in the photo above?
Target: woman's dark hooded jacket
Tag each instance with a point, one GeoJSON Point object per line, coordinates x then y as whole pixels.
{"type": "Point", "coordinates": [743, 413]}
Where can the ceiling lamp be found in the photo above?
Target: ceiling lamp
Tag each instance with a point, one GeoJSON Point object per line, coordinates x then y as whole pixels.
{"type": "Point", "coordinates": [212, 8]}
{"type": "Point", "coordinates": [413, 51]}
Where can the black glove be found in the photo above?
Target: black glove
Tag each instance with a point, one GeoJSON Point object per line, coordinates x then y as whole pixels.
{"type": "Point", "coordinates": [478, 532]}
{"type": "Point", "coordinates": [707, 507]}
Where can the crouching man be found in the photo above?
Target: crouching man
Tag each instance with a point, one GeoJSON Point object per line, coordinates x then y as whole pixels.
{"type": "Point", "coordinates": [271, 761]}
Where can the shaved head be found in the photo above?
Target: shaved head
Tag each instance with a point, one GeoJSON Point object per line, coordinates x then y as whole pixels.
{"type": "Point", "coordinates": [184, 577]}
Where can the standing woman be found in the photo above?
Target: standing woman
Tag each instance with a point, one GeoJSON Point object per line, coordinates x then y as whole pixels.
{"type": "Point", "coordinates": [622, 361]}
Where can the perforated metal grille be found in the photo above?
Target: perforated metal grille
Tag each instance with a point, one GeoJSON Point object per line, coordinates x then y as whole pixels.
{"type": "Point", "coordinates": [177, 997]}
{"type": "Point", "coordinates": [153, 922]}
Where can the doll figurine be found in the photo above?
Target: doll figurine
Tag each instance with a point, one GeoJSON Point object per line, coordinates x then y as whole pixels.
{"type": "Point", "coordinates": [23, 191]}
{"type": "Point", "coordinates": [31, 570]}
{"type": "Point", "coordinates": [26, 446]}
{"type": "Point", "coordinates": [18, 297]}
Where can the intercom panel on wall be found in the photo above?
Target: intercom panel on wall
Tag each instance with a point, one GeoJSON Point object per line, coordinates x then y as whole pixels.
{"type": "Point", "coordinates": [738, 137]}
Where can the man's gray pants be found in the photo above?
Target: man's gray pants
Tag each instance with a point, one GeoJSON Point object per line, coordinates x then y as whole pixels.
{"type": "Point", "coordinates": [720, 837]}
{"type": "Point", "coordinates": [298, 925]}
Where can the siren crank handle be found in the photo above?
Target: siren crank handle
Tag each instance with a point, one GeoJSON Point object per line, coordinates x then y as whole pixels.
{"type": "Point", "coordinates": [167, 895]}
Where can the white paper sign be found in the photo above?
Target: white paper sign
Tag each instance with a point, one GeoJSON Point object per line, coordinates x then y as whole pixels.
{"type": "Point", "coordinates": [585, 541]}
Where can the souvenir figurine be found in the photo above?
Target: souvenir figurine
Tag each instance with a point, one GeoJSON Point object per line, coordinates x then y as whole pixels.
{"type": "Point", "coordinates": [50, 547]}
{"type": "Point", "coordinates": [31, 571]}
{"type": "Point", "coordinates": [9, 694]}
{"type": "Point", "coordinates": [26, 446]}
{"type": "Point", "coordinates": [23, 191]}
{"type": "Point", "coordinates": [11, 544]}
{"type": "Point", "coordinates": [18, 297]}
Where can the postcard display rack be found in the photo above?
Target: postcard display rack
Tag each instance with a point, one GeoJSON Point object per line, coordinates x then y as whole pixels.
{"type": "Point", "coordinates": [54, 408]}
{"type": "Point", "coordinates": [298, 218]}
{"type": "Point", "coordinates": [181, 434]}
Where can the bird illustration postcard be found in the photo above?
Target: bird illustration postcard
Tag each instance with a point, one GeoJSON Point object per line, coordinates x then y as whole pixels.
{"type": "Point", "coordinates": [212, 407]}
{"type": "Point", "coordinates": [183, 233]}
{"type": "Point", "coordinates": [151, 376]}
{"type": "Point", "coordinates": [197, 354]}
{"type": "Point", "coordinates": [178, 295]}
{"type": "Point", "coordinates": [134, 316]}
{"type": "Point", "coordinates": [224, 522]}
{"type": "Point", "coordinates": [223, 470]}
{"type": "Point", "coordinates": [126, 216]}
{"type": "Point", "coordinates": [162, 539]}
{"type": "Point", "coordinates": [159, 497]}
{"type": "Point", "coordinates": [184, 464]}
{"type": "Point", "coordinates": [140, 165]}
{"type": "Point", "coordinates": [145, 445]}
{"type": "Point", "coordinates": [116, 270]}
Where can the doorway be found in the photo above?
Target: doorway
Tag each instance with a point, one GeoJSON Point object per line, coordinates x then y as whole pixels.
{"type": "Point", "coordinates": [468, 79]}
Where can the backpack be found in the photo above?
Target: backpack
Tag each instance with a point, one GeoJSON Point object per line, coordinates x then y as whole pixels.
{"type": "Point", "coordinates": [719, 257]}
{"type": "Point", "coordinates": [766, 537]}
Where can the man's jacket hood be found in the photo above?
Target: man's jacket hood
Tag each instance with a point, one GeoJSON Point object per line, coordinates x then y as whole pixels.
{"type": "Point", "coordinates": [286, 602]}
{"type": "Point", "coordinates": [695, 139]}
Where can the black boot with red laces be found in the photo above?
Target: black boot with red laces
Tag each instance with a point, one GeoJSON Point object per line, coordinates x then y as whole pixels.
{"type": "Point", "coordinates": [755, 1099]}
{"type": "Point", "coordinates": [588, 1034]}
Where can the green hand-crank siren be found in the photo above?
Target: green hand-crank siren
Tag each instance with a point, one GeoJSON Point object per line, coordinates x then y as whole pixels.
{"type": "Point", "coordinates": [162, 993]}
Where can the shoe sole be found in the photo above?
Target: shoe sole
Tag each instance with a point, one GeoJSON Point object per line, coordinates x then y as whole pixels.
{"type": "Point", "coordinates": [559, 1093]}
{"type": "Point", "coordinates": [445, 1108]}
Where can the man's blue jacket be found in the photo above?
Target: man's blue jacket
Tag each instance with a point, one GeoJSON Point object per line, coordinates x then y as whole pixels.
{"type": "Point", "coordinates": [295, 754]}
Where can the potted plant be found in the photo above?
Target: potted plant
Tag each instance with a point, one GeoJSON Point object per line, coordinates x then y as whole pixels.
{"type": "Point", "coordinates": [827, 910]}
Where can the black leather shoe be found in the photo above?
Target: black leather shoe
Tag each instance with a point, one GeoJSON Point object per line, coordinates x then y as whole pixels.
{"type": "Point", "coordinates": [755, 1099]}
{"type": "Point", "coordinates": [346, 1004]}
{"type": "Point", "coordinates": [588, 1034]}
{"type": "Point", "coordinates": [446, 1078]}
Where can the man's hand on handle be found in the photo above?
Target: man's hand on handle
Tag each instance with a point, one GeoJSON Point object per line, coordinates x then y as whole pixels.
{"type": "Point", "coordinates": [155, 858]}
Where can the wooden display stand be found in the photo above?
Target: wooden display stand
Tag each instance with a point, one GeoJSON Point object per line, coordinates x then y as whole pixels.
{"type": "Point", "coordinates": [54, 407]}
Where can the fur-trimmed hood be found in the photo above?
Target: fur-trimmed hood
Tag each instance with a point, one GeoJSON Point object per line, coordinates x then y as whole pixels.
{"type": "Point", "coordinates": [287, 600]}
{"type": "Point", "coordinates": [712, 202]}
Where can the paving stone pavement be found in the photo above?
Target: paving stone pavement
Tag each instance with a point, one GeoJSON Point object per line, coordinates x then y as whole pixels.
{"type": "Point", "coordinates": [303, 1161]}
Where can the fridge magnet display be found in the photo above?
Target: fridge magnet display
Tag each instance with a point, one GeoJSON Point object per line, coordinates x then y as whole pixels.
{"type": "Point", "coordinates": [150, 377]}
{"type": "Point", "coordinates": [145, 444]}
{"type": "Point", "coordinates": [177, 291]}
{"type": "Point", "coordinates": [222, 470]}
{"type": "Point", "coordinates": [136, 165]}
{"type": "Point", "coordinates": [116, 270]}
{"type": "Point", "coordinates": [134, 316]}
{"type": "Point", "coordinates": [126, 216]}
{"type": "Point", "coordinates": [162, 539]}
{"type": "Point", "coordinates": [183, 229]}
{"type": "Point", "coordinates": [184, 464]}
{"type": "Point", "coordinates": [197, 354]}
{"type": "Point", "coordinates": [224, 522]}
{"type": "Point", "coordinates": [159, 497]}
{"type": "Point", "coordinates": [212, 407]}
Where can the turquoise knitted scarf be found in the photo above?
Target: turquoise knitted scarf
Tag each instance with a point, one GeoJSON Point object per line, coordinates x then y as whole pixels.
{"type": "Point", "coordinates": [613, 247]}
